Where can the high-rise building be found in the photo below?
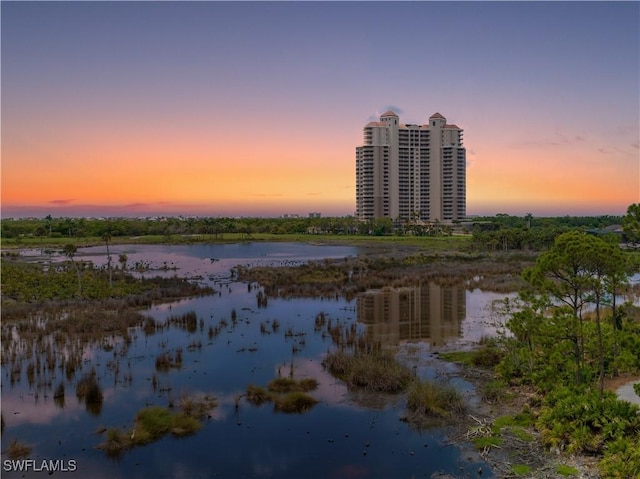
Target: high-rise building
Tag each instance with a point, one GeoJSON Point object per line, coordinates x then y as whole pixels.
{"type": "Point", "coordinates": [411, 172]}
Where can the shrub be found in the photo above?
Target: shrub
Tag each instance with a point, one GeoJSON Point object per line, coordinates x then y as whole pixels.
{"type": "Point", "coordinates": [579, 421]}
{"type": "Point", "coordinates": [621, 459]}
{"type": "Point", "coordinates": [493, 391]}
{"type": "Point", "coordinates": [488, 357]}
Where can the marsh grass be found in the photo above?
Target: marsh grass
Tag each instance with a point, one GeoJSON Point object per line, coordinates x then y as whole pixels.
{"type": "Point", "coordinates": [376, 371]}
{"type": "Point", "coordinates": [287, 385]}
{"type": "Point", "coordinates": [257, 395]}
{"type": "Point", "coordinates": [289, 395]}
{"type": "Point", "coordinates": [197, 407]}
{"type": "Point", "coordinates": [429, 398]}
{"type": "Point", "coordinates": [293, 402]}
{"type": "Point", "coordinates": [165, 361]}
{"type": "Point", "coordinates": [349, 276]}
{"type": "Point", "coordinates": [18, 450]}
{"type": "Point", "coordinates": [88, 390]}
{"type": "Point", "coordinates": [154, 422]}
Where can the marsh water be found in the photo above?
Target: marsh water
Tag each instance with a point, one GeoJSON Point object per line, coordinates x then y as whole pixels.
{"type": "Point", "coordinates": [347, 434]}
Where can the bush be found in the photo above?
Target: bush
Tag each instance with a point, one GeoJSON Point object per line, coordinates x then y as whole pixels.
{"type": "Point", "coordinates": [488, 357]}
{"type": "Point", "coordinates": [579, 421]}
{"type": "Point", "coordinates": [621, 459]}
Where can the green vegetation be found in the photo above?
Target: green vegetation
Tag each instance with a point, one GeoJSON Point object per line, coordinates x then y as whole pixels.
{"type": "Point", "coordinates": [487, 442]}
{"type": "Point", "coordinates": [26, 282]}
{"type": "Point", "coordinates": [287, 385]}
{"type": "Point", "coordinates": [154, 422]}
{"type": "Point", "coordinates": [521, 469]}
{"type": "Point", "coordinates": [428, 398]}
{"type": "Point", "coordinates": [566, 334]}
{"type": "Point", "coordinates": [288, 395]}
{"type": "Point", "coordinates": [500, 232]}
{"type": "Point", "coordinates": [293, 402]}
{"type": "Point", "coordinates": [636, 388]}
{"type": "Point", "coordinates": [377, 371]}
{"type": "Point", "coordinates": [257, 395]}
{"type": "Point", "coordinates": [485, 357]}
{"type": "Point", "coordinates": [565, 470]}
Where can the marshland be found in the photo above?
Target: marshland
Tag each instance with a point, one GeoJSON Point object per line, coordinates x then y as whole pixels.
{"type": "Point", "coordinates": [250, 359]}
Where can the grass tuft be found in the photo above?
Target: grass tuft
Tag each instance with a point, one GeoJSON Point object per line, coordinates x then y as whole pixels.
{"type": "Point", "coordinates": [18, 450]}
{"type": "Point", "coordinates": [257, 395]}
{"type": "Point", "coordinates": [294, 402]}
{"type": "Point", "coordinates": [376, 371]}
{"type": "Point", "coordinates": [428, 398]}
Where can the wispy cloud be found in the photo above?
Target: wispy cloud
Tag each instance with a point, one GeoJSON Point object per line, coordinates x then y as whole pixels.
{"type": "Point", "coordinates": [61, 202]}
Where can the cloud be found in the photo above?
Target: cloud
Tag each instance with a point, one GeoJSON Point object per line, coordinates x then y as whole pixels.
{"type": "Point", "coordinates": [394, 108]}
{"type": "Point", "coordinates": [61, 202]}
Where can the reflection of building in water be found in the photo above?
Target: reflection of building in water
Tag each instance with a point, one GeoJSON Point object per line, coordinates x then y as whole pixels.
{"type": "Point", "coordinates": [429, 313]}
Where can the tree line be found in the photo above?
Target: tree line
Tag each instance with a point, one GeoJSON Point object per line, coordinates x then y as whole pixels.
{"type": "Point", "coordinates": [501, 232]}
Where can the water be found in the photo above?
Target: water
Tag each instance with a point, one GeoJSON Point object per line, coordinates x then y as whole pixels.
{"type": "Point", "coordinates": [347, 434]}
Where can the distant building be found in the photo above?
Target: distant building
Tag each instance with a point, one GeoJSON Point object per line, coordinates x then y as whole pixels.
{"type": "Point", "coordinates": [314, 215]}
{"type": "Point", "coordinates": [411, 172]}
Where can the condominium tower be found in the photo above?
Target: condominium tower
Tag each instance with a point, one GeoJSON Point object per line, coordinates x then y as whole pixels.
{"type": "Point", "coordinates": [411, 172]}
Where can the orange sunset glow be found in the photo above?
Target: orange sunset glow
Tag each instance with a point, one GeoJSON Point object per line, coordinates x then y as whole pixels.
{"type": "Point", "coordinates": [255, 115]}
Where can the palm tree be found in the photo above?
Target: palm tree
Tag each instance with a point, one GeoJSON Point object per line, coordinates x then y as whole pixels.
{"type": "Point", "coordinates": [70, 251]}
{"type": "Point", "coordinates": [528, 217]}
{"type": "Point", "coordinates": [49, 220]}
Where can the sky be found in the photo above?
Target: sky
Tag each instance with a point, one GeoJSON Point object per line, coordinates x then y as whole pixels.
{"type": "Point", "coordinates": [256, 108]}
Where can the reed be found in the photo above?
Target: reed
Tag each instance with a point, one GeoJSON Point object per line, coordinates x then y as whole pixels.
{"type": "Point", "coordinates": [287, 385]}
{"type": "Point", "coordinates": [18, 450]}
{"type": "Point", "coordinates": [376, 371]}
{"type": "Point", "coordinates": [429, 398]}
{"type": "Point", "coordinates": [294, 402]}
{"type": "Point", "coordinates": [257, 395]}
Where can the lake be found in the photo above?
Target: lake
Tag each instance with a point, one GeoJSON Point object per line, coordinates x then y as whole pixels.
{"type": "Point", "coordinates": [235, 343]}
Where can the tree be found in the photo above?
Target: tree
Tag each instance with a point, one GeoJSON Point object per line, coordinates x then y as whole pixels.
{"type": "Point", "coordinates": [49, 220]}
{"type": "Point", "coordinates": [106, 237]}
{"type": "Point", "coordinates": [580, 269]}
{"type": "Point", "coordinates": [631, 223]}
{"type": "Point", "coordinates": [70, 251]}
{"type": "Point", "coordinates": [563, 273]}
{"type": "Point", "coordinates": [528, 217]}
